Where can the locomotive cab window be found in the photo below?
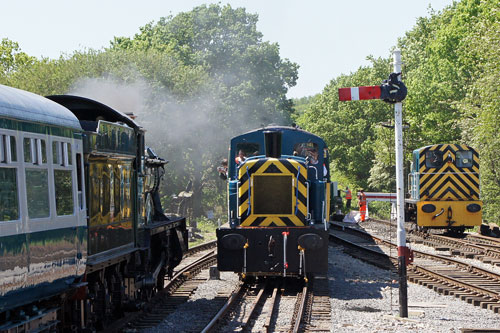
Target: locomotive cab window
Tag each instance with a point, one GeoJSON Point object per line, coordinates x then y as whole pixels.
{"type": "Point", "coordinates": [433, 159]}
{"type": "Point", "coordinates": [247, 149]}
{"type": "Point", "coordinates": [464, 159]}
{"type": "Point", "coordinates": [306, 149]}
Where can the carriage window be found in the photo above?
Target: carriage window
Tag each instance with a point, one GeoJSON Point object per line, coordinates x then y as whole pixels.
{"type": "Point", "coordinates": [64, 192]}
{"type": "Point", "coordinates": [27, 150]}
{"type": "Point", "coordinates": [433, 158]}
{"type": "Point", "coordinates": [79, 179]}
{"type": "Point", "coordinates": [13, 152]}
{"type": "Point", "coordinates": [37, 193]}
{"type": "Point", "coordinates": [247, 149]}
{"type": "Point", "coordinates": [464, 159]}
{"type": "Point", "coordinates": [43, 150]}
{"type": "Point", "coordinates": [55, 152]}
{"type": "Point", "coordinates": [7, 149]}
{"type": "Point", "coordinates": [61, 153]}
{"type": "Point", "coordinates": [9, 206]}
{"type": "Point", "coordinates": [35, 151]}
{"type": "Point", "coordinates": [70, 156]}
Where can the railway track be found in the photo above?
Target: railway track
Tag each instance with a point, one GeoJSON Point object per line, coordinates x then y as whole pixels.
{"type": "Point", "coordinates": [470, 246]}
{"type": "Point", "coordinates": [176, 291]}
{"type": "Point", "coordinates": [444, 275]}
{"type": "Point", "coordinates": [276, 306]}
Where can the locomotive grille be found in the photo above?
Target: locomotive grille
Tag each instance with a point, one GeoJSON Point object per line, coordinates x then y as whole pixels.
{"type": "Point", "coordinates": [271, 194]}
{"type": "Point", "coordinates": [448, 181]}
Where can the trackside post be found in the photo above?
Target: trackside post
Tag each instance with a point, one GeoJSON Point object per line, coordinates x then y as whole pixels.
{"type": "Point", "coordinates": [392, 91]}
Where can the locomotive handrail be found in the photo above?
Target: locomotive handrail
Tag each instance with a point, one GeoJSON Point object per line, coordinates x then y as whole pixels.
{"type": "Point", "coordinates": [316, 170]}
{"type": "Point", "coordinates": [249, 210]}
{"type": "Point", "coordinates": [297, 192]}
{"type": "Point", "coordinates": [238, 199]}
{"type": "Point", "coordinates": [323, 211]}
{"type": "Point", "coordinates": [308, 216]}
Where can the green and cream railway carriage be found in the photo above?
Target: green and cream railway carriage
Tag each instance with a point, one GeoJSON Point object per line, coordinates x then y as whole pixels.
{"type": "Point", "coordinates": [444, 188]}
{"type": "Point", "coordinates": [82, 235]}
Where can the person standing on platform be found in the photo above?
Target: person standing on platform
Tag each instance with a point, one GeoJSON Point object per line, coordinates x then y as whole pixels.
{"type": "Point", "coordinates": [348, 197]}
{"type": "Point", "coordinates": [362, 204]}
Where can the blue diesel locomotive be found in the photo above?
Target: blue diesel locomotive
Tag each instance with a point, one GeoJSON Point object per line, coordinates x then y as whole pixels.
{"type": "Point", "coordinates": [82, 233]}
{"type": "Point", "coordinates": [279, 194]}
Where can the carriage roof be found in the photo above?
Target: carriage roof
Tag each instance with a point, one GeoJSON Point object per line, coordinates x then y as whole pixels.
{"type": "Point", "coordinates": [22, 105]}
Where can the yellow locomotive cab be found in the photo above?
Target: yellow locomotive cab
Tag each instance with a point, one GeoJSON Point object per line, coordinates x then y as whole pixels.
{"type": "Point", "coordinates": [444, 187]}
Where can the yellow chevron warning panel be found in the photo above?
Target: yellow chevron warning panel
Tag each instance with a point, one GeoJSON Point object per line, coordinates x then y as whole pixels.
{"type": "Point", "coordinates": [272, 192]}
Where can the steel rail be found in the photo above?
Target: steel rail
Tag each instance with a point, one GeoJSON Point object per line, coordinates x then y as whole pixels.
{"type": "Point", "coordinates": [267, 325]}
{"type": "Point", "coordinates": [422, 270]}
{"type": "Point", "coordinates": [257, 300]}
{"type": "Point", "coordinates": [222, 312]}
{"type": "Point", "coordinates": [465, 266]}
{"type": "Point", "coordinates": [300, 312]}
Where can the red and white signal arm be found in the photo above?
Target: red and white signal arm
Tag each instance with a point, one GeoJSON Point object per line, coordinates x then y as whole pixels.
{"type": "Point", "coordinates": [359, 93]}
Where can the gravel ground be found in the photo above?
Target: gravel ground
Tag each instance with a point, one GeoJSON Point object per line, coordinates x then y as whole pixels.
{"type": "Point", "coordinates": [200, 307]}
{"type": "Point", "coordinates": [364, 299]}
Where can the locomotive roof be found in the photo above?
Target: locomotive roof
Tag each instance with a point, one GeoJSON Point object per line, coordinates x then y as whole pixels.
{"type": "Point", "coordinates": [440, 145]}
{"type": "Point", "coordinates": [89, 109]}
{"type": "Point", "coordinates": [298, 131]}
{"type": "Point", "coordinates": [22, 105]}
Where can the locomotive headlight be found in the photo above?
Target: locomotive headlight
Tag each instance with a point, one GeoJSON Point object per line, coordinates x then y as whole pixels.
{"type": "Point", "coordinates": [310, 241]}
{"type": "Point", "coordinates": [233, 241]}
{"type": "Point", "coordinates": [473, 208]}
{"type": "Point", "coordinates": [428, 208]}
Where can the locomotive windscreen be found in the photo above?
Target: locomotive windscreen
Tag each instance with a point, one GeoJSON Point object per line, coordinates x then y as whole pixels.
{"type": "Point", "coordinates": [272, 194]}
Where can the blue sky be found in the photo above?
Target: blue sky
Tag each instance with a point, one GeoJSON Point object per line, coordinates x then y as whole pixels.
{"type": "Point", "coordinates": [325, 37]}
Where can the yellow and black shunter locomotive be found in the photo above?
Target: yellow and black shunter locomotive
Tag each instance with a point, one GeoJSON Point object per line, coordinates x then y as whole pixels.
{"type": "Point", "coordinates": [444, 188]}
{"type": "Point", "coordinates": [279, 200]}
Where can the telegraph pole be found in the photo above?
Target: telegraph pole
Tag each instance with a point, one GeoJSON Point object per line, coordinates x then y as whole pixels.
{"type": "Point", "coordinates": [392, 91]}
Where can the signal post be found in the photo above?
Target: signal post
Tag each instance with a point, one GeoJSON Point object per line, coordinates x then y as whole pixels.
{"type": "Point", "coordinates": [392, 91]}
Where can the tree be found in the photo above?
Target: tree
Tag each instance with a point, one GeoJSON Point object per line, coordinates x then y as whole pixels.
{"type": "Point", "coordinates": [245, 88]}
{"type": "Point", "coordinates": [481, 107]}
{"type": "Point", "coordinates": [12, 58]}
{"type": "Point", "coordinates": [349, 128]}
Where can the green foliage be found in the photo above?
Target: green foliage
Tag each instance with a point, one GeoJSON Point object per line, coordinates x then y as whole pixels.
{"type": "Point", "coordinates": [349, 128]}
{"type": "Point", "coordinates": [451, 69]}
{"type": "Point", "coordinates": [244, 88]}
{"type": "Point", "coordinates": [300, 105]}
{"type": "Point", "coordinates": [481, 107]}
{"type": "Point", "coordinates": [12, 58]}
{"type": "Point", "coordinates": [380, 210]}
